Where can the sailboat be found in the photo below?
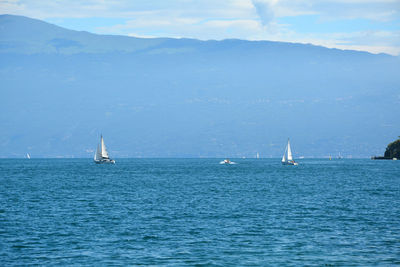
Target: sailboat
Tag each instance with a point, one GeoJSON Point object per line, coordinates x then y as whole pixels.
{"type": "Point", "coordinates": [287, 158]}
{"type": "Point", "coordinates": [101, 155]}
{"type": "Point", "coordinates": [28, 156]}
{"type": "Point", "coordinates": [258, 155]}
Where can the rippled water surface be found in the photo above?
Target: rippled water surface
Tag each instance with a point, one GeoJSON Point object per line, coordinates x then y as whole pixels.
{"type": "Point", "coordinates": [198, 212]}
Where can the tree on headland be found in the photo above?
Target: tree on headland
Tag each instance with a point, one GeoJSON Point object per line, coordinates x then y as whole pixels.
{"type": "Point", "coordinates": [393, 149]}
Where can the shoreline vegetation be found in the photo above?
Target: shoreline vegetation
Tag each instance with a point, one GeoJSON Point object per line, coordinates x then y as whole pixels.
{"type": "Point", "coordinates": [392, 151]}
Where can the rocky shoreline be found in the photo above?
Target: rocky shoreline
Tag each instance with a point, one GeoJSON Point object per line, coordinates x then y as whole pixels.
{"type": "Point", "coordinates": [392, 151]}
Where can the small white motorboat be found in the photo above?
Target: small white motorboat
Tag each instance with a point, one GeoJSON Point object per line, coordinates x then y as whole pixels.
{"type": "Point", "coordinates": [227, 161]}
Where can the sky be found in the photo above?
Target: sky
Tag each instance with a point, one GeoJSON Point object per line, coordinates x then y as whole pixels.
{"type": "Point", "coordinates": [366, 25]}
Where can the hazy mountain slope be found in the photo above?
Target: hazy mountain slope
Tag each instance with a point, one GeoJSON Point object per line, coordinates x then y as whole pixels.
{"type": "Point", "coordinates": [24, 35]}
{"type": "Point", "coordinates": [182, 97]}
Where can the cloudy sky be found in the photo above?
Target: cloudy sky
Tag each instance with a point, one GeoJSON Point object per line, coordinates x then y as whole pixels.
{"type": "Point", "coordinates": [369, 25]}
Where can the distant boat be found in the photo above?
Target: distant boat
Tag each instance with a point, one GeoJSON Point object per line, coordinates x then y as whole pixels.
{"type": "Point", "coordinates": [28, 156]}
{"type": "Point", "coordinates": [258, 155]}
{"type": "Point", "coordinates": [340, 156]}
{"type": "Point", "coordinates": [287, 158]}
{"type": "Point", "coordinates": [101, 155]}
{"type": "Point", "coordinates": [227, 161]}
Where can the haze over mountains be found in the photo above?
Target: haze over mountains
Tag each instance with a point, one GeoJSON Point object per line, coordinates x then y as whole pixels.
{"type": "Point", "coordinates": [188, 98]}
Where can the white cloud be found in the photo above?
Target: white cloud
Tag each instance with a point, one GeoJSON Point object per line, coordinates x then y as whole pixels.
{"type": "Point", "coordinates": [265, 11]}
{"type": "Point", "coordinates": [339, 9]}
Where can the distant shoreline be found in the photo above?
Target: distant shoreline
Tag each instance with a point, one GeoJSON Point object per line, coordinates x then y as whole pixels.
{"type": "Point", "coordinates": [383, 158]}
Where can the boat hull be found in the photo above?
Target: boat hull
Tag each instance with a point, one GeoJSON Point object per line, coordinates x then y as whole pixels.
{"type": "Point", "coordinates": [105, 161]}
{"type": "Point", "coordinates": [290, 163]}
{"type": "Point", "coordinates": [227, 162]}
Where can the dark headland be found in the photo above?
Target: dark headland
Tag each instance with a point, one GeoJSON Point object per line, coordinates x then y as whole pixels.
{"type": "Point", "coordinates": [392, 151]}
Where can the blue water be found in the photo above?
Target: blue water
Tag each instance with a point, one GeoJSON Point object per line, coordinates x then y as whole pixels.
{"type": "Point", "coordinates": [198, 212]}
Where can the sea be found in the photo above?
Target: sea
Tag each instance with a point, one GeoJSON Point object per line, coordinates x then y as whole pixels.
{"type": "Point", "coordinates": [197, 212]}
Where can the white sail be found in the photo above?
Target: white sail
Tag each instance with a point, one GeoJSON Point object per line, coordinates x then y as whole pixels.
{"type": "Point", "coordinates": [104, 153]}
{"type": "Point", "coordinates": [289, 152]}
{"type": "Point", "coordinates": [258, 155]}
{"type": "Point", "coordinates": [28, 156]}
{"type": "Point", "coordinates": [284, 155]}
{"type": "Point", "coordinates": [97, 155]}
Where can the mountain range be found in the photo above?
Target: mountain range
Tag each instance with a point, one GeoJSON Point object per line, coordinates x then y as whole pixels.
{"type": "Point", "coordinates": [164, 97]}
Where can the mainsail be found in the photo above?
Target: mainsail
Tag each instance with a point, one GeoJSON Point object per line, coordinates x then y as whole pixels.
{"type": "Point", "coordinates": [289, 151]}
{"type": "Point", "coordinates": [104, 153]}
